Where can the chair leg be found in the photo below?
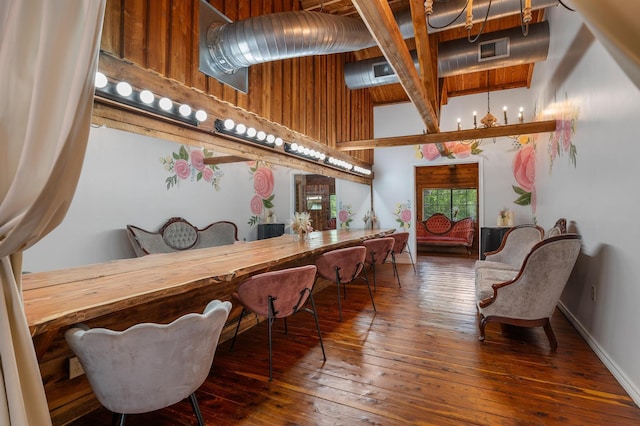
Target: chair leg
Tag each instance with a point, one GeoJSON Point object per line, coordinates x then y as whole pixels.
{"type": "Point", "coordinates": [549, 332]}
{"type": "Point", "coordinates": [233, 341]}
{"type": "Point", "coordinates": [482, 323]}
{"type": "Point", "coordinates": [395, 268]}
{"type": "Point", "coordinates": [270, 320]}
{"type": "Point", "coordinates": [366, 279]}
{"type": "Point", "coordinates": [339, 302]}
{"type": "Point", "coordinates": [373, 266]}
{"type": "Point", "coordinates": [118, 419]}
{"type": "Point", "coordinates": [411, 258]}
{"type": "Point", "coordinates": [196, 409]}
{"type": "Point", "coordinates": [315, 316]}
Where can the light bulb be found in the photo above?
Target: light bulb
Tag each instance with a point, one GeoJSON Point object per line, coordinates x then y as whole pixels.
{"type": "Point", "coordinates": [201, 115]}
{"type": "Point", "coordinates": [101, 80]}
{"type": "Point", "coordinates": [165, 104]}
{"type": "Point", "coordinates": [271, 139]}
{"type": "Point", "coordinates": [146, 97]}
{"type": "Point", "coordinates": [184, 110]}
{"type": "Point", "coordinates": [229, 124]}
{"type": "Point", "coordinates": [279, 141]}
{"type": "Point", "coordinates": [294, 146]}
{"type": "Point", "coordinates": [251, 132]}
{"type": "Point", "coordinates": [261, 135]}
{"type": "Point", "coordinates": [241, 128]}
{"type": "Point", "coordinates": [124, 89]}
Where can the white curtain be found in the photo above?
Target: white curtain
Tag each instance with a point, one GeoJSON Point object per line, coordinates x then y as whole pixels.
{"type": "Point", "coordinates": [616, 23]}
{"type": "Point", "coordinates": [48, 59]}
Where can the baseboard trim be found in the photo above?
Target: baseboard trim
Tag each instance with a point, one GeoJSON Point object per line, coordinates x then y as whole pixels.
{"type": "Point", "coordinates": [628, 386]}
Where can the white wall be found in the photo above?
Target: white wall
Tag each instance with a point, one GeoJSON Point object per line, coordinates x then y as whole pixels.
{"type": "Point", "coordinates": [598, 194]}
{"type": "Point", "coordinates": [123, 182]}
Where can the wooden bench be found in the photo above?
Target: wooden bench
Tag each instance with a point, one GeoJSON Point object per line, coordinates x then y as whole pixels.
{"type": "Point", "coordinates": [178, 234]}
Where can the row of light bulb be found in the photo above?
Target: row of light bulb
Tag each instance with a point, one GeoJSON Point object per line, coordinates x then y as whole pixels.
{"type": "Point", "coordinates": [147, 97]}
{"type": "Point", "coordinates": [301, 149]}
{"type": "Point", "coordinates": [249, 132]}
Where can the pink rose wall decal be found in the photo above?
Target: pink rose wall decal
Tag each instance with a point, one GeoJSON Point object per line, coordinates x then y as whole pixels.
{"type": "Point", "coordinates": [345, 215]}
{"type": "Point", "coordinates": [188, 165]}
{"type": "Point", "coordinates": [263, 185]}
{"type": "Point", "coordinates": [404, 215]}
{"type": "Point", "coordinates": [462, 149]}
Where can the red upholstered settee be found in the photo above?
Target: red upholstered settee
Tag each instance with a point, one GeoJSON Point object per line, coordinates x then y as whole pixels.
{"type": "Point", "coordinates": [438, 230]}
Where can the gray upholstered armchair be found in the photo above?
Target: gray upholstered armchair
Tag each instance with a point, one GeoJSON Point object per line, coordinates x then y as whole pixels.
{"type": "Point", "coordinates": [529, 298]}
{"type": "Point", "coordinates": [150, 366]}
{"type": "Point", "coordinates": [515, 246]}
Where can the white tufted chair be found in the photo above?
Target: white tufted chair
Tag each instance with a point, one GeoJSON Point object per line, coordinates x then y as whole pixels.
{"type": "Point", "coordinates": [150, 366]}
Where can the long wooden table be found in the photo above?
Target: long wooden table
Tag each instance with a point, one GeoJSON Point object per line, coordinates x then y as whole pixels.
{"type": "Point", "coordinates": [157, 288]}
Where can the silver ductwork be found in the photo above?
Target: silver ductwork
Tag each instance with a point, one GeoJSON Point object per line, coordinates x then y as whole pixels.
{"type": "Point", "coordinates": [228, 48]}
{"type": "Point", "coordinates": [492, 50]}
{"type": "Point", "coordinates": [282, 36]}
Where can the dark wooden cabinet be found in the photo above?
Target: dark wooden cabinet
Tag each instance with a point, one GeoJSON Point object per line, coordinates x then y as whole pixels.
{"type": "Point", "coordinates": [491, 238]}
{"type": "Point", "coordinates": [270, 230]}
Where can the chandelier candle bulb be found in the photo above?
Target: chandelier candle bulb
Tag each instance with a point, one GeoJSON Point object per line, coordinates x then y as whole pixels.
{"type": "Point", "coordinates": [459, 125]}
{"type": "Point", "coordinates": [504, 109]}
{"type": "Point", "coordinates": [475, 121]}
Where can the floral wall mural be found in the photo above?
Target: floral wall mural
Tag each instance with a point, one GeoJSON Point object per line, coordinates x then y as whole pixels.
{"type": "Point", "coordinates": [345, 215]}
{"type": "Point", "coordinates": [403, 215]}
{"type": "Point", "coordinates": [463, 149]}
{"type": "Point", "coordinates": [188, 164]}
{"type": "Point", "coordinates": [561, 141]}
{"type": "Point", "coordinates": [524, 170]}
{"type": "Point", "coordinates": [263, 185]}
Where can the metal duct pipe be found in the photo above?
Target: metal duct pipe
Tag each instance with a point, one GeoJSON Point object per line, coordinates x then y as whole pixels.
{"type": "Point", "coordinates": [492, 50]}
{"type": "Point", "coordinates": [445, 13]}
{"type": "Point", "coordinates": [284, 35]}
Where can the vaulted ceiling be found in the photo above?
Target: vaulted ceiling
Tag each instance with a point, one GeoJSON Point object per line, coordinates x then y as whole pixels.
{"type": "Point", "coordinates": [509, 77]}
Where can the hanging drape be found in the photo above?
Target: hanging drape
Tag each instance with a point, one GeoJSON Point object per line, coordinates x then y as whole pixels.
{"type": "Point", "coordinates": [615, 24]}
{"type": "Point", "coordinates": [48, 59]}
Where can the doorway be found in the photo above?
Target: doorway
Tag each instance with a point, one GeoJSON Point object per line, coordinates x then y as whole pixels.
{"type": "Point", "coordinates": [316, 195]}
{"type": "Point", "coordinates": [452, 190]}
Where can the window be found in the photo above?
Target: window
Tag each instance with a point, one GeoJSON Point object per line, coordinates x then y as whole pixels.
{"type": "Point", "coordinates": [456, 204]}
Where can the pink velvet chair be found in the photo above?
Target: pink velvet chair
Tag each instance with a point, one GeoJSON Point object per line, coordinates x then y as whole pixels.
{"type": "Point", "coordinates": [278, 294]}
{"type": "Point", "coordinates": [400, 244]}
{"type": "Point", "coordinates": [343, 266]}
{"type": "Point", "coordinates": [378, 249]}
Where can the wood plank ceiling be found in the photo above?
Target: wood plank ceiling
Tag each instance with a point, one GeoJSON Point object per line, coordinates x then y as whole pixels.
{"type": "Point", "coordinates": [459, 85]}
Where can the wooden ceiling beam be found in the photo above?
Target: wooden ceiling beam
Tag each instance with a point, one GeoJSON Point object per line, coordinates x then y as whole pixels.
{"type": "Point", "coordinates": [423, 48]}
{"type": "Point", "coordinates": [458, 135]}
{"type": "Point", "coordinates": [378, 17]}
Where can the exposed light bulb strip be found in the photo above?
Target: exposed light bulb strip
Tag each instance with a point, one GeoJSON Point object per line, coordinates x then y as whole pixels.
{"type": "Point", "coordinates": [122, 92]}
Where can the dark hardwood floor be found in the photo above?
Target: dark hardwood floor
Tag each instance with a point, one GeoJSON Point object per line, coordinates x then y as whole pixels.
{"type": "Point", "coordinates": [416, 361]}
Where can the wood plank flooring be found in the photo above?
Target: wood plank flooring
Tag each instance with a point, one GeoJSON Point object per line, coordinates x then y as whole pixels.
{"type": "Point", "coordinates": [416, 361]}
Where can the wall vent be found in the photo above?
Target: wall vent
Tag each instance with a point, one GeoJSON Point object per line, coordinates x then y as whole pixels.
{"type": "Point", "coordinates": [494, 49]}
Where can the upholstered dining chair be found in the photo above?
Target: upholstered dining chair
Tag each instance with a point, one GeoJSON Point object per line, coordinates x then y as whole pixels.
{"type": "Point", "coordinates": [400, 244]}
{"type": "Point", "coordinates": [529, 299]}
{"type": "Point", "coordinates": [378, 249]}
{"type": "Point", "coordinates": [278, 294]}
{"type": "Point", "coordinates": [343, 266]}
{"type": "Point", "coordinates": [150, 366]}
